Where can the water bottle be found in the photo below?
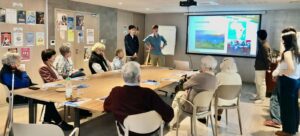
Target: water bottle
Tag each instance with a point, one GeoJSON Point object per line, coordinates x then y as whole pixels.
{"type": "Point", "coordinates": [69, 89]}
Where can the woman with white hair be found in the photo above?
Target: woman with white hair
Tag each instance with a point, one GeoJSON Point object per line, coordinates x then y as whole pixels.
{"type": "Point", "coordinates": [227, 76]}
{"type": "Point", "coordinates": [11, 63]}
{"type": "Point", "coordinates": [98, 62]}
{"type": "Point", "coordinates": [205, 80]}
{"type": "Point", "coordinates": [132, 99]}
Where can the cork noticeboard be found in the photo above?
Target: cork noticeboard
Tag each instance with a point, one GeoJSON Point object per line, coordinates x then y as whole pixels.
{"type": "Point", "coordinates": [67, 31]}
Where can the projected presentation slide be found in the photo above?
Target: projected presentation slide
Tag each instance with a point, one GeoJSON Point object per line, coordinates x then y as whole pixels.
{"type": "Point", "coordinates": [229, 35]}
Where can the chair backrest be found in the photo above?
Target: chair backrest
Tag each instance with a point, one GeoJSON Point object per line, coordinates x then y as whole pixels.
{"type": "Point", "coordinates": [228, 92]}
{"type": "Point", "coordinates": [182, 65]}
{"type": "Point", "coordinates": [203, 99]}
{"type": "Point", "coordinates": [36, 130]}
{"type": "Point", "coordinates": [143, 123]}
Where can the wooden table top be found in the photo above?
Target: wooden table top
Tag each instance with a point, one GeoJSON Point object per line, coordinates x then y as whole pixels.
{"type": "Point", "coordinates": [100, 85]}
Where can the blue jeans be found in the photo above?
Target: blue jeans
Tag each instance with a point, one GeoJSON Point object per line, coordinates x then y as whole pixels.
{"type": "Point", "coordinates": [274, 104]}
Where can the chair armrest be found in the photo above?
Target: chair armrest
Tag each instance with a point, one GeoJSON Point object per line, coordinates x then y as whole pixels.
{"type": "Point", "coordinates": [179, 99]}
{"type": "Point", "coordinates": [75, 132]}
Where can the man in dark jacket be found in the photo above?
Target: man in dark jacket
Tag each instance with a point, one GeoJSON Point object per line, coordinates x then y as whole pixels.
{"type": "Point", "coordinates": [262, 64]}
{"type": "Point", "coordinates": [131, 43]}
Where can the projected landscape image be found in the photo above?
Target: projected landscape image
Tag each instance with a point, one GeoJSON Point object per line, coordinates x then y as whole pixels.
{"type": "Point", "coordinates": [206, 40]}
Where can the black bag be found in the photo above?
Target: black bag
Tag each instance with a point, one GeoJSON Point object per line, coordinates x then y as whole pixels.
{"type": "Point", "coordinates": [179, 87]}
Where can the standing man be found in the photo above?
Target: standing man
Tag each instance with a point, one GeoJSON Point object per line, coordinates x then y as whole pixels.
{"type": "Point", "coordinates": [262, 64]}
{"type": "Point", "coordinates": [131, 43]}
{"type": "Point", "coordinates": [153, 43]}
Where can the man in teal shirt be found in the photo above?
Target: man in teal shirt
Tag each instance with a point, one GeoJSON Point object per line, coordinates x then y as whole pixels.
{"type": "Point", "coordinates": [153, 43]}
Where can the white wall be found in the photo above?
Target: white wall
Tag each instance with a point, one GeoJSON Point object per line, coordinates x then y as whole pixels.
{"type": "Point", "coordinates": [272, 21]}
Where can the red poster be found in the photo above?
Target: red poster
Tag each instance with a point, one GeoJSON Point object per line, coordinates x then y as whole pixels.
{"type": "Point", "coordinates": [25, 54]}
{"type": "Point", "coordinates": [5, 39]}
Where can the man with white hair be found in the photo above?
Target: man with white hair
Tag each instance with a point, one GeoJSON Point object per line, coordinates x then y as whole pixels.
{"type": "Point", "coordinates": [132, 99]}
{"type": "Point", "coordinates": [205, 80]}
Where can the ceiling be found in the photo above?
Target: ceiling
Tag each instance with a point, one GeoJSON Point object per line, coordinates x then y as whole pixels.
{"type": "Point", "coordinates": [172, 6]}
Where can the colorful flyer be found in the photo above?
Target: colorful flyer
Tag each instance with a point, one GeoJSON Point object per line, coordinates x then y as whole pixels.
{"type": "Point", "coordinates": [30, 17]}
{"type": "Point", "coordinates": [25, 54]}
{"type": "Point", "coordinates": [18, 38]}
{"type": "Point", "coordinates": [2, 15]}
{"type": "Point", "coordinates": [11, 16]}
{"type": "Point", "coordinates": [21, 17]}
{"type": "Point", "coordinates": [40, 18]}
{"type": "Point", "coordinates": [87, 53]}
{"type": "Point", "coordinates": [5, 39]}
{"type": "Point", "coordinates": [29, 41]}
{"type": "Point", "coordinates": [70, 35]}
{"type": "Point", "coordinates": [90, 39]}
{"type": "Point", "coordinates": [70, 23]}
{"type": "Point", "coordinates": [62, 21]}
{"type": "Point", "coordinates": [79, 22]}
{"type": "Point", "coordinates": [40, 39]}
{"type": "Point", "coordinates": [80, 37]}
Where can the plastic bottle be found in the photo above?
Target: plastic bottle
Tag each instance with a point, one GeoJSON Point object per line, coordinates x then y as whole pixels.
{"type": "Point", "coordinates": [69, 89]}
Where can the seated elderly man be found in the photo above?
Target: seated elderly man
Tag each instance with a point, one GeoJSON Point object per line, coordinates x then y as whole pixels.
{"type": "Point", "coordinates": [132, 99]}
{"type": "Point", "coordinates": [205, 80]}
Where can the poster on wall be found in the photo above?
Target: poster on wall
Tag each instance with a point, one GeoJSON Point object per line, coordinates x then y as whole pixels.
{"type": "Point", "coordinates": [40, 39]}
{"type": "Point", "coordinates": [21, 17]}
{"type": "Point", "coordinates": [18, 38]}
{"type": "Point", "coordinates": [5, 39]}
{"type": "Point", "coordinates": [70, 23]}
{"type": "Point", "coordinates": [25, 54]}
{"type": "Point", "coordinates": [40, 18]}
{"type": "Point", "coordinates": [12, 50]}
{"type": "Point", "coordinates": [87, 53]}
{"type": "Point", "coordinates": [30, 17]}
{"type": "Point", "coordinates": [80, 37]}
{"type": "Point", "coordinates": [79, 22]}
{"type": "Point", "coordinates": [90, 36]}
{"type": "Point", "coordinates": [2, 15]}
{"type": "Point", "coordinates": [29, 41]}
{"type": "Point", "coordinates": [11, 16]}
{"type": "Point", "coordinates": [71, 35]}
{"type": "Point", "coordinates": [62, 21]}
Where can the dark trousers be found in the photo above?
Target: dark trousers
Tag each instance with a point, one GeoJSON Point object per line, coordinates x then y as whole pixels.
{"type": "Point", "coordinates": [51, 113]}
{"type": "Point", "coordinates": [288, 100]}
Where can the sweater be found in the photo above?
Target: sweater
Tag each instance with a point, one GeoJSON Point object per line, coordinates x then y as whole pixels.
{"type": "Point", "coordinates": [131, 44]}
{"type": "Point", "coordinates": [98, 59]}
{"type": "Point", "coordinates": [129, 100]}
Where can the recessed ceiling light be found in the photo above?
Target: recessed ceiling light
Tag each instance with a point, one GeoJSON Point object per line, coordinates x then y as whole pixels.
{"type": "Point", "coordinates": [147, 9]}
{"type": "Point", "coordinates": [120, 3]}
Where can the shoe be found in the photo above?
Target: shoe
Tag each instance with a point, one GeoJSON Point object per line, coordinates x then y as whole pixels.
{"type": "Point", "coordinates": [65, 126]}
{"type": "Point", "coordinates": [47, 122]}
{"type": "Point", "coordinates": [271, 123]}
{"type": "Point", "coordinates": [281, 133]}
{"type": "Point", "coordinates": [259, 101]}
{"type": "Point", "coordinates": [85, 114]}
{"type": "Point", "coordinates": [203, 120]}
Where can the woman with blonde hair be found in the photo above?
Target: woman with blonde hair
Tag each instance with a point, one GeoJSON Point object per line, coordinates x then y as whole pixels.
{"type": "Point", "coordinates": [227, 76]}
{"type": "Point", "coordinates": [98, 62]}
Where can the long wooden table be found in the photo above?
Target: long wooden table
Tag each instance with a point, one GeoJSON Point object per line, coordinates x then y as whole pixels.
{"type": "Point", "coordinates": [99, 86]}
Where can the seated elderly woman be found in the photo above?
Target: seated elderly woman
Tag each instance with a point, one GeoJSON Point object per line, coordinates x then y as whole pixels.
{"type": "Point", "coordinates": [11, 63]}
{"type": "Point", "coordinates": [227, 76]}
{"type": "Point", "coordinates": [64, 64]}
{"type": "Point", "coordinates": [132, 99]}
{"type": "Point", "coordinates": [205, 80]}
{"type": "Point", "coordinates": [98, 62]}
{"type": "Point", "coordinates": [49, 74]}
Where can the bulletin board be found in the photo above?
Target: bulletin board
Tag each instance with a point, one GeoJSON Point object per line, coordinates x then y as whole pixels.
{"type": "Point", "coordinates": [79, 30]}
{"type": "Point", "coordinates": [21, 31]}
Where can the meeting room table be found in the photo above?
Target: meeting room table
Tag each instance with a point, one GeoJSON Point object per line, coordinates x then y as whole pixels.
{"type": "Point", "coordinates": [92, 90]}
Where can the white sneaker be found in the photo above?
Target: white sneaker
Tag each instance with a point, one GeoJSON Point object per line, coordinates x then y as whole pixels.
{"type": "Point", "coordinates": [259, 101]}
